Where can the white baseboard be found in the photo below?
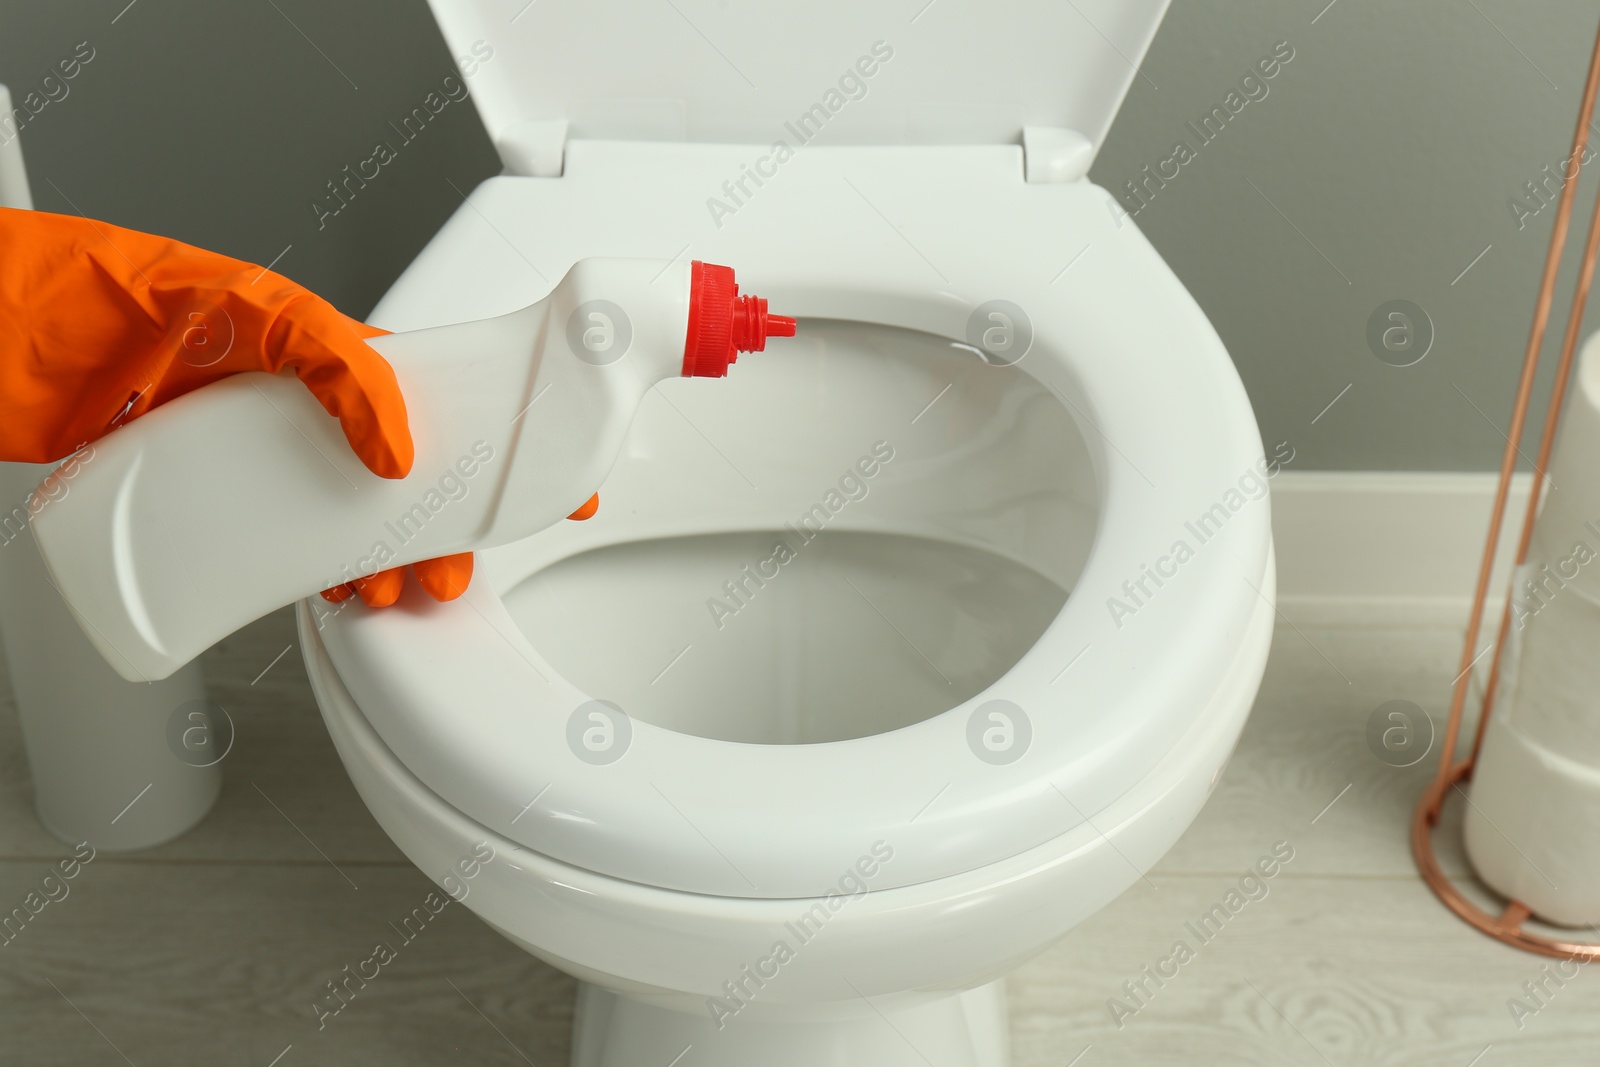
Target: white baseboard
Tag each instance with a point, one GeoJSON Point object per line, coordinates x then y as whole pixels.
{"type": "Point", "coordinates": [1356, 547]}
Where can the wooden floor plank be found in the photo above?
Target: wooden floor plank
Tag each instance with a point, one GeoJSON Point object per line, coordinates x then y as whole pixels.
{"type": "Point", "coordinates": [219, 964]}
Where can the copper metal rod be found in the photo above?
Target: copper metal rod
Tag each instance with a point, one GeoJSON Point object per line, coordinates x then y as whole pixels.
{"type": "Point", "coordinates": [1508, 926]}
{"type": "Point", "coordinates": [1530, 363]}
{"type": "Point", "coordinates": [1541, 463]}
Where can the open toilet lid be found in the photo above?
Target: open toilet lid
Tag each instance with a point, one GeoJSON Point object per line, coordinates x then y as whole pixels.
{"type": "Point", "coordinates": [916, 72]}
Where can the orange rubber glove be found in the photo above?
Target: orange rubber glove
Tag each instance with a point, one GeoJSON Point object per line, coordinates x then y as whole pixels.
{"type": "Point", "coordinates": [99, 324]}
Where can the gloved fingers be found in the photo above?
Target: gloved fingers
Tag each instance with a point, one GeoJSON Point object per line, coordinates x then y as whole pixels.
{"type": "Point", "coordinates": [381, 589]}
{"type": "Point", "coordinates": [445, 577]}
{"type": "Point", "coordinates": [329, 353]}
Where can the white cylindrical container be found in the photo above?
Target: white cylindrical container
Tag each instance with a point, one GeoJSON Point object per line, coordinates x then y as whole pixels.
{"type": "Point", "coordinates": [14, 191]}
{"type": "Point", "coordinates": [1533, 824]}
{"type": "Point", "coordinates": [99, 747]}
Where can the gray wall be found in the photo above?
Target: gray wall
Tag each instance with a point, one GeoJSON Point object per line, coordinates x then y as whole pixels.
{"type": "Point", "coordinates": [220, 121]}
{"type": "Point", "coordinates": [1383, 158]}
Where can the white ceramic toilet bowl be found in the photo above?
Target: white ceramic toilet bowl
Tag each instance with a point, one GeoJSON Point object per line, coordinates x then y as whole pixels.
{"type": "Point", "coordinates": [908, 976]}
{"type": "Point", "coordinates": [837, 791]}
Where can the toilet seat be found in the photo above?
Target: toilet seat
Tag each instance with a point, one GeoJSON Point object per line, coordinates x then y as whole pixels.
{"type": "Point", "coordinates": [988, 920]}
{"type": "Point", "coordinates": [470, 707]}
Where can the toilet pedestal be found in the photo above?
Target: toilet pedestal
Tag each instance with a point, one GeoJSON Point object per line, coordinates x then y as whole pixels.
{"type": "Point", "coordinates": [960, 1030]}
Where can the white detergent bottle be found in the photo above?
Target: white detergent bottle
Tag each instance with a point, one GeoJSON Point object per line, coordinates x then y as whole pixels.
{"type": "Point", "coordinates": [243, 496]}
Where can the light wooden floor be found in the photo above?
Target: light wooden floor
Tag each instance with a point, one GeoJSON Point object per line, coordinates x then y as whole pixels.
{"type": "Point", "coordinates": [209, 950]}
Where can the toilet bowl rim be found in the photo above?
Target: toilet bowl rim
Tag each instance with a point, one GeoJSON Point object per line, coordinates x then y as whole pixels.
{"type": "Point", "coordinates": [338, 706]}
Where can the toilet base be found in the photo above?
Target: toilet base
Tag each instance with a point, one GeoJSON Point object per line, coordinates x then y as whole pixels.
{"type": "Point", "coordinates": [960, 1030]}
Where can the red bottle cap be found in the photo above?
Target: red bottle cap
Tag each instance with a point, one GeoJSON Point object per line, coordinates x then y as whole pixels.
{"type": "Point", "coordinates": [722, 323]}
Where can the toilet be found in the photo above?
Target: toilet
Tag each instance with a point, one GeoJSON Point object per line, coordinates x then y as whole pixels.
{"type": "Point", "coordinates": [895, 654]}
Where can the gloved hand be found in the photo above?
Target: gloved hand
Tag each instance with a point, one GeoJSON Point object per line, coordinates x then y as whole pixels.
{"type": "Point", "coordinates": [99, 324]}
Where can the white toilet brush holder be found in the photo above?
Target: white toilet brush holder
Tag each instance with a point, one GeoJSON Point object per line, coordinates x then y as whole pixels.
{"type": "Point", "coordinates": [1533, 821]}
{"type": "Point", "coordinates": [99, 748]}
{"type": "Point", "coordinates": [102, 768]}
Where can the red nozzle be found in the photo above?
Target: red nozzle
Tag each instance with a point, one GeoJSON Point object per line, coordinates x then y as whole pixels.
{"type": "Point", "coordinates": [722, 323]}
